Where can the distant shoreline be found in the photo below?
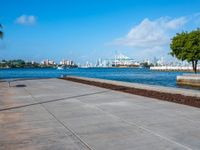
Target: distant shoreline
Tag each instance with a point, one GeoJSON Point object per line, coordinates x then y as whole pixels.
{"type": "Point", "coordinates": [189, 71]}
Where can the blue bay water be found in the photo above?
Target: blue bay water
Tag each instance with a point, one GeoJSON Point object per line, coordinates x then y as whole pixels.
{"type": "Point", "coordinates": [137, 75]}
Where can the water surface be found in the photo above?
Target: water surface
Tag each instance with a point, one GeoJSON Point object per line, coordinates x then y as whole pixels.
{"type": "Point", "coordinates": [137, 75]}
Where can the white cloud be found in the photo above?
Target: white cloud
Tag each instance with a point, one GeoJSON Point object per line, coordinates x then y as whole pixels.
{"type": "Point", "coordinates": [26, 20]}
{"type": "Point", "coordinates": [196, 18]}
{"type": "Point", "coordinates": [149, 34]}
{"type": "Point", "coordinates": [176, 23]}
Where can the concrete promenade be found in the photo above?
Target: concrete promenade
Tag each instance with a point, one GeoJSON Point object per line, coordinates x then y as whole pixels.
{"type": "Point", "coordinates": [55, 114]}
{"type": "Point", "coordinates": [182, 91]}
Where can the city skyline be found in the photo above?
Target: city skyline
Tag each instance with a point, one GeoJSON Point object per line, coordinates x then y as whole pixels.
{"type": "Point", "coordinates": [117, 60]}
{"type": "Point", "coordinates": [86, 30]}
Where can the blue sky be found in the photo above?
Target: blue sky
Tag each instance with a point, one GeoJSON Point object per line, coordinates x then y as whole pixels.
{"type": "Point", "coordinates": [85, 30]}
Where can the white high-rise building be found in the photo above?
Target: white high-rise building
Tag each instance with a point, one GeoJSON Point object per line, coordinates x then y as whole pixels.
{"type": "Point", "coordinates": [66, 62]}
{"type": "Point", "coordinates": [48, 62]}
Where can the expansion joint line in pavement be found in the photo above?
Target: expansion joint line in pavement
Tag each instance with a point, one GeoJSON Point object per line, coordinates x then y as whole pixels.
{"type": "Point", "coordinates": [144, 128]}
{"type": "Point", "coordinates": [73, 133]}
{"type": "Point", "coordinates": [54, 100]}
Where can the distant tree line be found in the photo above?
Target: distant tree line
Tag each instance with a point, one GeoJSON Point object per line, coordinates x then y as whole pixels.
{"type": "Point", "coordinates": [146, 64]}
{"type": "Point", "coordinates": [19, 63]}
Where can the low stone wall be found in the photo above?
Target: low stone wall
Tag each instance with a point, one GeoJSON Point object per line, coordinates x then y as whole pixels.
{"type": "Point", "coordinates": [181, 96]}
{"type": "Point", "coordinates": [189, 79]}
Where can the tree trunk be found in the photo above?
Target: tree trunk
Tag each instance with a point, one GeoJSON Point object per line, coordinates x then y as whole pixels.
{"type": "Point", "coordinates": [196, 62]}
{"type": "Point", "coordinates": [194, 65]}
{"type": "Point", "coordinates": [1, 32]}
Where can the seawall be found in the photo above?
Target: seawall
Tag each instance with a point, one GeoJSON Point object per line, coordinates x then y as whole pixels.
{"type": "Point", "coordinates": [189, 79]}
{"type": "Point", "coordinates": [173, 68]}
{"type": "Point", "coordinates": [177, 95]}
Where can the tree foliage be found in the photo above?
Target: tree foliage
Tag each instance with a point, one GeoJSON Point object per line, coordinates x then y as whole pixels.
{"type": "Point", "coordinates": [185, 46]}
{"type": "Point", "coordinates": [18, 64]}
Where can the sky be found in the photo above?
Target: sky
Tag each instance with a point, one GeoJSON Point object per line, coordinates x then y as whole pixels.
{"type": "Point", "coordinates": [85, 30]}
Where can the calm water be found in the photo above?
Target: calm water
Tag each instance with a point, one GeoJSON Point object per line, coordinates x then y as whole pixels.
{"type": "Point", "coordinates": [137, 75]}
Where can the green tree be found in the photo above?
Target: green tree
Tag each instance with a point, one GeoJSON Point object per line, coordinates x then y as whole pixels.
{"type": "Point", "coordinates": [185, 46]}
{"type": "Point", "coordinates": [1, 32]}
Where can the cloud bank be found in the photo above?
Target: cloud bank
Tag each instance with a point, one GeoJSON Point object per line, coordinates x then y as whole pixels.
{"type": "Point", "coordinates": [26, 20]}
{"type": "Point", "coordinates": [151, 33]}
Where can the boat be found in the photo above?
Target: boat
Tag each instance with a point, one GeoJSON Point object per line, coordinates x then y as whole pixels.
{"type": "Point", "coordinates": [60, 68]}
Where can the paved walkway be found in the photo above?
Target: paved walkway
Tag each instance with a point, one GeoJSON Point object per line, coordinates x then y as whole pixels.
{"type": "Point", "coordinates": [56, 114]}
{"type": "Point", "coordinates": [182, 91]}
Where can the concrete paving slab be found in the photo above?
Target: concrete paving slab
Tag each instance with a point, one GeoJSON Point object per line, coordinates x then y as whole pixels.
{"type": "Point", "coordinates": [89, 117]}
{"type": "Point", "coordinates": [182, 91]}
{"type": "Point", "coordinates": [37, 130]}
